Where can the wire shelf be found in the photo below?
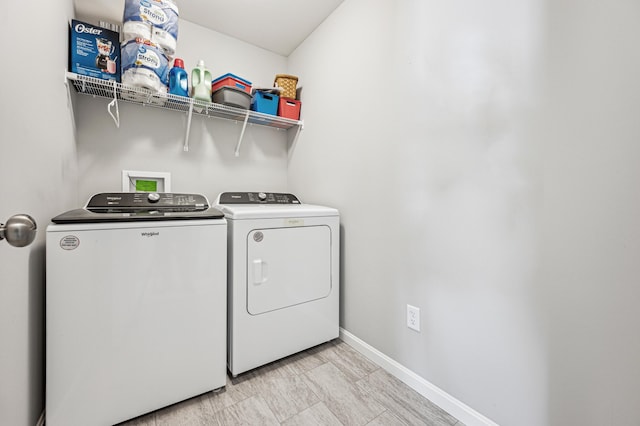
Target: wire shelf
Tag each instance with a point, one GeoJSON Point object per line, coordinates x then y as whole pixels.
{"type": "Point", "coordinates": [112, 90]}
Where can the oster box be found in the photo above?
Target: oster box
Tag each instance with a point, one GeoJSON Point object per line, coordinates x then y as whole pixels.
{"type": "Point", "coordinates": [94, 51]}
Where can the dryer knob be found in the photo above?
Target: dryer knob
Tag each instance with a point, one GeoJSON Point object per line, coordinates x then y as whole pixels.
{"type": "Point", "coordinates": [262, 196]}
{"type": "Point", "coordinates": [153, 197]}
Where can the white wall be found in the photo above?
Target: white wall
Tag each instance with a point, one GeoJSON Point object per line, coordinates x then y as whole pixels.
{"type": "Point", "coordinates": [484, 160]}
{"type": "Point", "coordinates": [591, 212]}
{"type": "Point", "coordinates": [151, 139]}
{"type": "Point", "coordinates": [38, 177]}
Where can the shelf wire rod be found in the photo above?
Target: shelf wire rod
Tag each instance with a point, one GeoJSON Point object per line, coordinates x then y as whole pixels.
{"type": "Point", "coordinates": [300, 127]}
{"type": "Point", "coordinates": [244, 127]}
{"type": "Point", "coordinates": [116, 118]}
{"type": "Point", "coordinates": [185, 148]}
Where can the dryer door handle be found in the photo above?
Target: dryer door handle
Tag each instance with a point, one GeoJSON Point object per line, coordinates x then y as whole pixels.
{"type": "Point", "coordinates": [259, 271]}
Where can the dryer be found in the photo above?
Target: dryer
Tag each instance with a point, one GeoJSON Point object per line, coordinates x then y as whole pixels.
{"type": "Point", "coordinates": [283, 276]}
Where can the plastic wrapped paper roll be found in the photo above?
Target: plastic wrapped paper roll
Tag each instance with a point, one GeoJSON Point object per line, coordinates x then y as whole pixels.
{"type": "Point", "coordinates": [144, 65]}
{"type": "Point", "coordinates": [155, 20]}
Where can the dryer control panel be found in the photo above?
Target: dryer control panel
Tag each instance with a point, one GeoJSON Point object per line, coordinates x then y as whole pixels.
{"type": "Point", "coordinates": [257, 198]}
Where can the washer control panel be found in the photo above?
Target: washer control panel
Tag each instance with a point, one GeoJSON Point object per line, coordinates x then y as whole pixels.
{"type": "Point", "coordinates": [257, 198]}
{"type": "Point", "coordinates": [142, 201]}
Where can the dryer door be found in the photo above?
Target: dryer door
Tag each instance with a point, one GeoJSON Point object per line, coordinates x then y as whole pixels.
{"type": "Point", "coordinates": [287, 266]}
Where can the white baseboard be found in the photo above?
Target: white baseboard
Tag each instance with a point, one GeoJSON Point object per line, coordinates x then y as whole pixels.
{"type": "Point", "coordinates": [451, 405]}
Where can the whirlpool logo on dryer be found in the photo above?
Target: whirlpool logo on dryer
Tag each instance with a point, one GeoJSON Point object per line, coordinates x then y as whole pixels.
{"type": "Point", "coordinates": [149, 234]}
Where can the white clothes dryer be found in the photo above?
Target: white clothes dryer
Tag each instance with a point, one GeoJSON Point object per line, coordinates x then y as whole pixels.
{"type": "Point", "coordinates": [283, 276]}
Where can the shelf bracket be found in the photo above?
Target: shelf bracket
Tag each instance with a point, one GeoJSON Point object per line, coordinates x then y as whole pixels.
{"type": "Point", "coordinates": [70, 104]}
{"type": "Point", "coordinates": [185, 148]}
{"type": "Point", "coordinates": [299, 128]}
{"type": "Point", "coordinates": [116, 118]}
{"type": "Point", "coordinates": [244, 127]}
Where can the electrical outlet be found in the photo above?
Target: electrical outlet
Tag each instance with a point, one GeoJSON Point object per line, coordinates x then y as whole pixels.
{"type": "Point", "coordinates": [413, 317]}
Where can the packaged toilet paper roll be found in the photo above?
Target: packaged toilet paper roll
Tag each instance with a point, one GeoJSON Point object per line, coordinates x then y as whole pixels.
{"type": "Point", "coordinates": [144, 65]}
{"type": "Point", "coordinates": [155, 20]}
{"type": "Point", "coordinates": [136, 29]}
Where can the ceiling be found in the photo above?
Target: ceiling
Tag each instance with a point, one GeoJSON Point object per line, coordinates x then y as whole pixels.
{"type": "Point", "coordinates": [276, 25]}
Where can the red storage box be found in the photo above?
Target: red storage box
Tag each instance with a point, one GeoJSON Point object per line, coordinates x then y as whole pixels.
{"type": "Point", "coordinates": [289, 108]}
{"type": "Point", "coordinates": [231, 80]}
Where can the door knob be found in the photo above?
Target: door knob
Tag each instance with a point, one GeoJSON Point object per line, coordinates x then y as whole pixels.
{"type": "Point", "coordinates": [19, 231]}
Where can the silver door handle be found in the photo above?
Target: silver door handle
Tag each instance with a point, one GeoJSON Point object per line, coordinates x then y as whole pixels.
{"type": "Point", "coordinates": [19, 231]}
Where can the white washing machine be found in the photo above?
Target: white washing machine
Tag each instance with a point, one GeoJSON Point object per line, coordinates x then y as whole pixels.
{"type": "Point", "coordinates": [135, 306]}
{"type": "Point", "coordinates": [283, 276]}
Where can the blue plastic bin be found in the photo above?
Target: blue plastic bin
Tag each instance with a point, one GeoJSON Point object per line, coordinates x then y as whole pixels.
{"type": "Point", "coordinates": [266, 103]}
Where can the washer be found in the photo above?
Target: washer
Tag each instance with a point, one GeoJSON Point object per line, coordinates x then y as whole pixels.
{"type": "Point", "coordinates": [283, 276]}
{"type": "Point", "coordinates": [135, 306]}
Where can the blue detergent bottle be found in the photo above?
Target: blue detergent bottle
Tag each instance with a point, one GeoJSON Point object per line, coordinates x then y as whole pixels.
{"type": "Point", "coordinates": [178, 80]}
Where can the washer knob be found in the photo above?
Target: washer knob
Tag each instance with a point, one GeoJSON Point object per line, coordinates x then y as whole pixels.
{"type": "Point", "coordinates": [262, 196]}
{"type": "Point", "coordinates": [153, 197]}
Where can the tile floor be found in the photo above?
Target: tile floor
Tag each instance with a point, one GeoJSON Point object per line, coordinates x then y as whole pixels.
{"type": "Point", "coordinates": [330, 384]}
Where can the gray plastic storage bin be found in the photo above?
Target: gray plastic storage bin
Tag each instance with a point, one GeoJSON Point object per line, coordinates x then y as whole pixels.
{"type": "Point", "coordinates": [232, 96]}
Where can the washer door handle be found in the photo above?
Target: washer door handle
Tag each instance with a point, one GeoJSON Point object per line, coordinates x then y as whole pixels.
{"type": "Point", "coordinates": [260, 271]}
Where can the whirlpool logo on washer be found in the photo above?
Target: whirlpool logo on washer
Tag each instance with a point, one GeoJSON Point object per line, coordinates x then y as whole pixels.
{"type": "Point", "coordinates": [149, 234]}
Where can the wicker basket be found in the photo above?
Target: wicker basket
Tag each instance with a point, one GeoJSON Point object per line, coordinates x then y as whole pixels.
{"type": "Point", "coordinates": [288, 84]}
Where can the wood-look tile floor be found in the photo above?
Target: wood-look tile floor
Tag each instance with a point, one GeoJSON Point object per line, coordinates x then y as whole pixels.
{"type": "Point", "coordinates": [330, 384]}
